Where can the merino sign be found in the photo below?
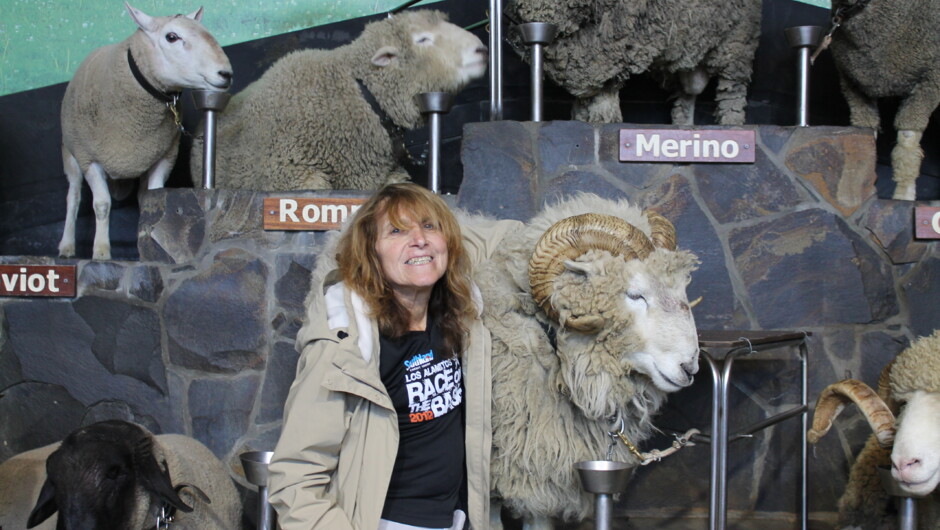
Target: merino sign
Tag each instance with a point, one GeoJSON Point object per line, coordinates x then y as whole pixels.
{"type": "Point", "coordinates": [721, 146]}
{"type": "Point", "coordinates": [312, 213]}
{"type": "Point", "coordinates": [37, 280]}
{"type": "Point", "coordinates": [927, 222]}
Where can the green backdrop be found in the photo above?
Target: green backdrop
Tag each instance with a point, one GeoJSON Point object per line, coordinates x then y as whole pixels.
{"type": "Point", "coordinates": [42, 42]}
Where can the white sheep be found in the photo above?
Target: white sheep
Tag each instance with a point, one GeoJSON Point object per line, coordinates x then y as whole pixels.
{"type": "Point", "coordinates": [120, 113]}
{"type": "Point", "coordinates": [910, 445]}
{"type": "Point", "coordinates": [685, 44]}
{"type": "Point", "coordinates": [891, 48]}
{"type": "Point", "coordinates": [116, 474]}
{"type": "Point", "coordinates": [335, 119]}
{"type": "Point", "coordinates": [591, 326]}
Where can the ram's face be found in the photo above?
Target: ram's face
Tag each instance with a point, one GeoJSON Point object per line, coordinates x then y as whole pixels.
{"type": "Point", "coordinates": [915, 458]}
{"type": "Point", "coordinates": [643, 313]}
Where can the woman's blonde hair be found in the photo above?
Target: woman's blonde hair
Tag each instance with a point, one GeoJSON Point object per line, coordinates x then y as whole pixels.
{"type": "Point", "coordinates": [451, 304]}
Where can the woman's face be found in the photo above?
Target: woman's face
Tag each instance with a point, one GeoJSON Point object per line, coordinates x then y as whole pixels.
{"type": "Point", "coordinates": [413, 258]}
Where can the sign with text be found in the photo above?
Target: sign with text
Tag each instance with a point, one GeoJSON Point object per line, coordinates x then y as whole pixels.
{"type": "Point", "coordinates": [927, 222]}
{"type": "Point", "coordinates": [312, 213]}
{"type": "Point", "coordinates": [37, 280]}
{"type": "Point", "coordinates": [717, 146]}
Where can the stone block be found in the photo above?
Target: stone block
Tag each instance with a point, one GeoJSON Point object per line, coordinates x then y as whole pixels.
{"type": "Point", "coordinates": [216, 321]}
{"type": "Point", "coordinates": [172, 226]}
{"type": "Point", "coordinates": [500, 171]}
{"type": "Point", "coordinates": [922, 289]}
{"type": "Point", "coordinates": [34, 414]}
{"type": "Point", "coordinates": [891, 224]}
{"type": "Point", "coordinates": [220, 410]}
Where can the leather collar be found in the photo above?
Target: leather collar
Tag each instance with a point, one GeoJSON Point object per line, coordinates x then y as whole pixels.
{"type": "Point", "coordinates": [166, 97]}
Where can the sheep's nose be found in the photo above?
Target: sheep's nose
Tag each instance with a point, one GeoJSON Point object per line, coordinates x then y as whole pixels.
{"type": "Point", "coordinates": [482, 51]}
{"type": "Point", "coordinates": [690, 368]}
{"type": "Point", "coordinates": [227, 75]}
{"type": "Point", "coordinates": [905, 466]}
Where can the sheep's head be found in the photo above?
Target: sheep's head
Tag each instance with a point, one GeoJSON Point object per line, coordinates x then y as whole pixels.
{"type": "Point", "coordinates": [618, 298]}
{"type": "Point", "coordinates": [95, 476]}
{"type": "Point", "coordinates": [422, 52]}
{"type": "Point", "coordinates": [909, 388]}
{"type": "Point", "coordinates": [184, 53]}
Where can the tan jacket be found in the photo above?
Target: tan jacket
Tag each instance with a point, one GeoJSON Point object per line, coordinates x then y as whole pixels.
{"type": "Point", "coordinates": [339, 440]}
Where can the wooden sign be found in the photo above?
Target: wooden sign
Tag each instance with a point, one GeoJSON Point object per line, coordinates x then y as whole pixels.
{"type": "Point", "coordinates": [716, 146]}
{"type": "Point", "coordinates": [37, 280]}
{"type": "Point", "coordinates": [312, 213]}
{"type": "Point", "coordinates": [927, 222]}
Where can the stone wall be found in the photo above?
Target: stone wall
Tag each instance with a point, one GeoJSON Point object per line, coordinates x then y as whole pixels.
{"type": "Point", "coordinates": [197, 336]}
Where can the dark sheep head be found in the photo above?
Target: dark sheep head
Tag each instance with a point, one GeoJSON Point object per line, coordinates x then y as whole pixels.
{"type": "Point", "coordinates": [94, 477]}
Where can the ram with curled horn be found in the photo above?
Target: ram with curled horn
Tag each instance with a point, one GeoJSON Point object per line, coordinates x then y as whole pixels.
{"type": "Point", "coordinates": [591, 329]}
{"type": "Point", "coordinates": [904, 416]}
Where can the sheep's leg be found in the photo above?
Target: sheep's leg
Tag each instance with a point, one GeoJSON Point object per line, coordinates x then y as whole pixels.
{"type": "Point", "coordinates": [604, 107]}
{"type": "Point", "coordinates": [863, 110]}
{"type": "Point", "coordinates": [72, 200]}
{"type": "Point", "coordinates": [158, 174]}
{"type": "Point", "coordinates": [910, 122]}
{"type": "Point", "coordinates": [101, 202]}
{"type": "Point", "coordinates": [693, 82]}
{"type": "Point", "coordinates": [731, 100]}
{"type": "Point", "coordinates": [906, 158]}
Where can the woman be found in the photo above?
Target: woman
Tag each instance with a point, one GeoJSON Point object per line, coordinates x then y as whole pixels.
{"type": "Point", "coordinates": [387, 424]}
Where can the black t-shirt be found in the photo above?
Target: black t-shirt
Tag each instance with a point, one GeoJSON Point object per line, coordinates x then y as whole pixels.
{"type": "Point", "coordinates": [426, 387]}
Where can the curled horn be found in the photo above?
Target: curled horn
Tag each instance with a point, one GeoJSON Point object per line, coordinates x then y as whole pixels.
{"type": "Point", "coordinates": [836, 396]}
{"type": "Point", "coordinates": [571, 237]}
{"type": "Point", "coordinates": [663, 233]}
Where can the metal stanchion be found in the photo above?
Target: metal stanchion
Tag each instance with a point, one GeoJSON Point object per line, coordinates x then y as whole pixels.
{"type": "Point", "coordinates": [255, 464]}
{"type": "Point", "coordinates": [210, 102]}
{"type": "Point", "coordinates": [434, 104]}
{"type": "Point", "coordinates": [907, 505]}
{"type": "Point", "coordinates": [496, 60]}
{"type": "Point", "coordinates": [603, 478]}
{"type": "Point", "coordinates": [536, 35]}
{"type": "Point", "coordinates": [803, 38]}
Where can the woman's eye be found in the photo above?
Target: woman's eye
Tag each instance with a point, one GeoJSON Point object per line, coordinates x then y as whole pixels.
{"type": "Point", "coordinates": [172, 37]}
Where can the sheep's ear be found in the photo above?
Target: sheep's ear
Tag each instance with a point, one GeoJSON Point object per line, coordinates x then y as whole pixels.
{"type": "Point", "coordinates": [581, 267]}
{"type": "Point", "coordinates": [196, 15]}
{"type": "Point", "coordinates": [385, 56]}
{"type": "Point", "coordinates": [45, 505]}
{"type": "Point", "coordinates": [143, 20]}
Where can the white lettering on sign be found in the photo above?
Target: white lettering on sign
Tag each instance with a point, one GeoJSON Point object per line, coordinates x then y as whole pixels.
{"type": "Point", "coordinates": [315, 213]}
{"type": "Point", "coordinates": [678, 145]}
{"type": "Point", "coordinates": [37, 280]}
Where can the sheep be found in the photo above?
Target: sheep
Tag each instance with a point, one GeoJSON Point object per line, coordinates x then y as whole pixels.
{"type": "Point", "coordinates": [910, 445]}
{"type": "Point", "coordinates": [591, 328]}
{"type": "Point", "coordinates": [602, 43]}
{"type": "Point", "coordinates": [885, 49]}
{"type": "Point", "coordinates": [334, 119]}
{"type": "Point", "coordinates": [120, 114]}
{"type": "Point", "coordinates": [116, 474]}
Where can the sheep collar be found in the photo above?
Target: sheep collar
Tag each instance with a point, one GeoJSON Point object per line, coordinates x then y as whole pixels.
{"type": "Point", "coordinates": [395, 132]}
{"type": "Point", "coordinates": [166, 97]}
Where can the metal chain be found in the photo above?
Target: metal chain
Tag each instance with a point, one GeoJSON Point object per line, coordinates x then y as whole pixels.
{"type": "Point", "coordinates": [653, 456]}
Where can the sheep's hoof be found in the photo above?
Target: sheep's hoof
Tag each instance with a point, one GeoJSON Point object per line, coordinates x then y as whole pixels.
{"type": "Point", "coordinates": [67, 251]}
{"type": "Point", "coordinates": [101, 253]}
{"type": "Point", "coordinates": [905, 192]}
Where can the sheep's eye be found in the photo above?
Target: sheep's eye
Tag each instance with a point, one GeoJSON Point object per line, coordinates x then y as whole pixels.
{"type": "Point", "coordinates": [636, 296]}
{"type": "Point", "coordinates": [172, 37]}
{"type": "Point", "coordinates": [423, 39]}
{"type": "Point", "coordinates": [113, 472]}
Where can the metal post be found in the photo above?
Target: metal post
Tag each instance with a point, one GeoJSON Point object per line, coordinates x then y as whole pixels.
{"type": "Point", "coordinates": [537, 35]}
{"type": "Point", "coordinates": [804, 449]}
{"type": "Point", "coordinates": [496, 60]}
{"type": "Point", "coordinates": [603, 512]}
{"type": "Point", "coordinates": [434, 104]}
{"type": "Point", "coordinates": [255, 464]}
{"type": "Point", "coordinates": [603, 478]}
{"type": "Point", "coordinates": [803, 38]}
{"type": "Point", "coordinates": [907, 505]}
{"type": "Point", "coordinates": [715, 474]}
{"type": "Point", "coordinates": [209, 101]}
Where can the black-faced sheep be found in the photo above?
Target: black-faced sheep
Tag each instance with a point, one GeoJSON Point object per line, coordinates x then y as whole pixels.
{"type": "Point", "coordinates": [910, 445]}
{"type": "Point", "coordinates": [334, 119]}
{"type": "Point", "coordinates": [591, 326]}
{"type": "Point", "coordinates": [119, 113]}
{"type": "Point", "coordinates": [117, 475]}
{"type": "Point", "coordinates": [890, 48]}
{"type": "Point", "coordinates": [602, 43]}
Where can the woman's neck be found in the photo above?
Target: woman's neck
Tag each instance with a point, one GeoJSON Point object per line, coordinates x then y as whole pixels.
{"type": "Point", "coordinates": [416, 304]}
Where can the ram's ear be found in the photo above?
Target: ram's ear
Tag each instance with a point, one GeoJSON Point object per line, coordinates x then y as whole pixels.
{"type": "Point", "coordinates": [580, 267]}
{"type": "Point", "coordinates": [156, 477]}
{"type": "Point", "coordinates": [385, 56]}
{"type": "Point", "coordinates": [45, 505]}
